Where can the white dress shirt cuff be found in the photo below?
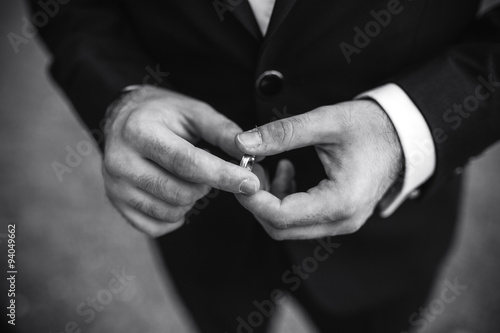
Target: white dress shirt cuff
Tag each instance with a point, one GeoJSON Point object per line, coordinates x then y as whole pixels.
{"type": "Point", "coordinates": [415, 138]}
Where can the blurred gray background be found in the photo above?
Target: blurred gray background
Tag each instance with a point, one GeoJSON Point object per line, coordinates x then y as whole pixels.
{"type": "Point", "coordinates": [71, 242]}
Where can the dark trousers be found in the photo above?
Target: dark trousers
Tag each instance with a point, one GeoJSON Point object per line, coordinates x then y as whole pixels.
{"type": "Point", "coordinates": [231, 283]}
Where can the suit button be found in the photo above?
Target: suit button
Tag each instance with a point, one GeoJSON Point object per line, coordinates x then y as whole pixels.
{"type": "Point", "coordinates": [269, 83]}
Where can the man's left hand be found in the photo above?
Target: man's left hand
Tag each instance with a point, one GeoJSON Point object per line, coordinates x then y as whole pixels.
{"type": "Point", "coordinates": [361, 154]}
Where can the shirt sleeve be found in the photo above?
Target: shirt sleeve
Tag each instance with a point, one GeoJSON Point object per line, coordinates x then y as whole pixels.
{"type": "Point", "coordinates": [415, 138]}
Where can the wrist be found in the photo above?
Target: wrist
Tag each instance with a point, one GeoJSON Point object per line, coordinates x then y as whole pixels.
{"type": "Point", "coordinates": [386, 144]}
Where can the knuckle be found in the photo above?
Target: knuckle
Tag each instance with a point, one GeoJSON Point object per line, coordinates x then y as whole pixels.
{"type": "Point", "coordinates": [169, 215]}
{"type": "Point", "coordinates": [157, 150]}
{"type": "Point", "coordinates": [147, 183]}
{"type": "Point", "coordinates": [279, 224]}
{"type": "Point", "coordinates": [146, 208]}
{"type": "Point", "coordinates": [224, 180]}
{"type": "Point", "coordinates": [132, 128]}
{"type": "Point", "coordinates": [182, 197]}
{"type": "Point", "coordinates": [348, 117]}
{"type": "Point", "coordinates": [154, 185]}
{"type": "Point", "coordinates": [200, 192]}
{"type": "Point", "coordinates": [164, 189]}
{"type": "Point", "coordinates": [175, 215]}
{"type": "Point", "coordinates": [184, 164]}
{"type": "Point", "coordinates": [112, 163]}
{"type": "Point", "coordinates": [281, 131]}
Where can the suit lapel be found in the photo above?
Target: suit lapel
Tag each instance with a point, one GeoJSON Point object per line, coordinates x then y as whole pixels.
{"type": "Point", "coordinates": [243, 12]}
{"type": "Point", "coordinates": [280, 11]}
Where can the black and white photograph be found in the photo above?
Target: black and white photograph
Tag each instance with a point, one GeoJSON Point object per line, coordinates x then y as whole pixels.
{"type": "Point", "coordinates": [250, 166]}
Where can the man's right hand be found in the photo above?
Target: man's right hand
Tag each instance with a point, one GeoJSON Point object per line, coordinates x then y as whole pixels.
{"type": "Point", "coordinates": [153, 173]}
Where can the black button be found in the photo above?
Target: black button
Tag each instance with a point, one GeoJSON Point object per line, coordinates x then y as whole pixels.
{"type": "Point", "coordinates": [269, 83]}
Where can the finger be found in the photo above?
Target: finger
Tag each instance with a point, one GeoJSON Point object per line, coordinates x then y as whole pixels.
{"type": "Point", "coordinates": [288, 224]}
{"type": "Point", "coordinates": [314, 127]}
{"type": "Point", "coordinates": [217, 129]}
{"type": "Point", "coordinates": [319, 205]}
{"type": "Point", "coordinates": [195, 165]}
{"type": "Point", "coordinates": [283, 183]}
{"type": "Point", "coordinates": [146, 224]}
{"type": "Point", "coordinates": [155, 180]}
{"type": "Point", "coordinates": [148, 204]}
{"type": "Point", "coordinates": [151, 178]}
{"type": "Point", "coordinates": [315, 231]}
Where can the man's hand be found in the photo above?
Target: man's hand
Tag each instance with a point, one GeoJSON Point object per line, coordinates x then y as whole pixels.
{"type": "Point", "coordinates": [152, 171]}
{"type": "Point", "coordinates": [362, 157]}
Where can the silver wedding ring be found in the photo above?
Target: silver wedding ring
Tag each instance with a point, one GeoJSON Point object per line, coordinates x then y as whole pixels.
{"type": "Point", "coordinates": [247, 162]}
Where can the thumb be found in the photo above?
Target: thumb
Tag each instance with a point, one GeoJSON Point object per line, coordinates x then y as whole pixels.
{"type": "Point", "coordinates": [303, 130]}
{"type": "Point", "coordinates": [217, 129]}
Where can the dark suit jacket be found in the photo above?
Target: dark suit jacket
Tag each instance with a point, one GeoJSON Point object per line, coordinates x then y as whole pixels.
{"type": "Point", "coordinates": [436, 50]}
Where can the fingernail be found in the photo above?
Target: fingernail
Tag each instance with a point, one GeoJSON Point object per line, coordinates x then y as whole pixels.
{"type": "Point", "coordinates": [250, 139]}
{"type": "Point", "coordinates": [248, 186]}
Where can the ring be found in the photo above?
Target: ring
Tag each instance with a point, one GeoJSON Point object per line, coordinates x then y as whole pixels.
{"type": "Point", "coordinates": [247, 162]}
